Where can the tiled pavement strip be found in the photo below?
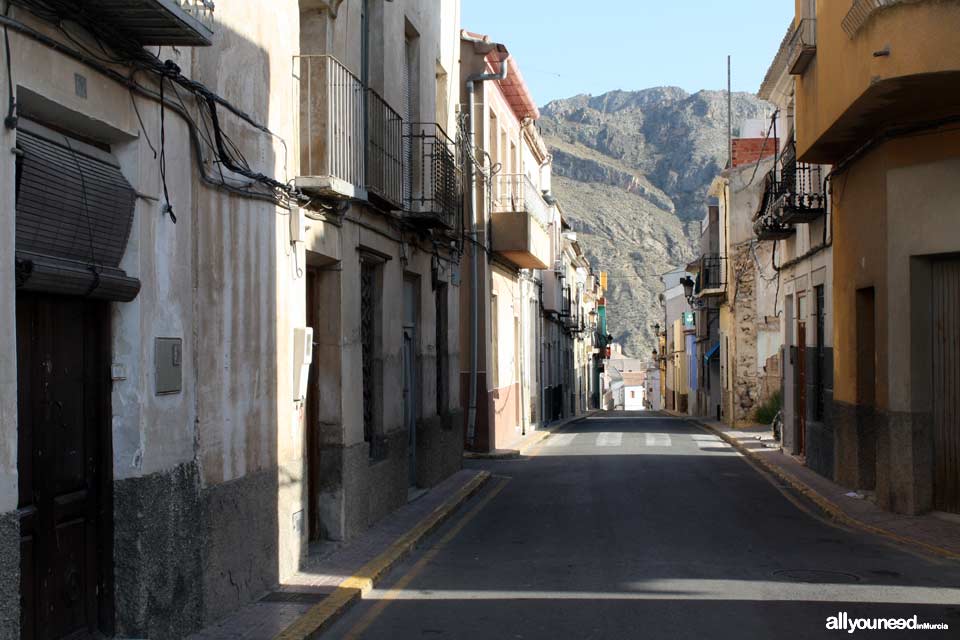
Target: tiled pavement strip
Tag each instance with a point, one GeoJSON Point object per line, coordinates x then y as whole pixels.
{"type": "Point", "coordinates": [331, 581]}
{"type": "Point", "coordinates": [934, 534]}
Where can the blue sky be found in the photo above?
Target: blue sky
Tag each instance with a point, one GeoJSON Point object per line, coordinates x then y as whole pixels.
{"type": "Point", "coordinates": [566, 47]}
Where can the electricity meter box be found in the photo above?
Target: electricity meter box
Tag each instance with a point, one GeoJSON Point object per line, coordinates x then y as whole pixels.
{"type": "Point", "coordinates": [302, 357]}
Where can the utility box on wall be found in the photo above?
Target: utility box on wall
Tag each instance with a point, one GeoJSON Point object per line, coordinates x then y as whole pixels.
{"type": "Point", "coordinates": [168, 355]}
{"type": "Point", "coordinates": [302, 357]}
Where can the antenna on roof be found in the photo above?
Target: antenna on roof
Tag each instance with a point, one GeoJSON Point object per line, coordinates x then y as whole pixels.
{"type": "Point", "coordinates": [729, 117]}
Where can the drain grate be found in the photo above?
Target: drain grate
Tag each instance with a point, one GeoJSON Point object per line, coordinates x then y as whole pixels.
{"type": "Point", "coordinates": [816, 576]}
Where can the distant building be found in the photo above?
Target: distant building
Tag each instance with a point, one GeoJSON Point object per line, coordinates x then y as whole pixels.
{"type": "Point", "coordinates": [634, 391]}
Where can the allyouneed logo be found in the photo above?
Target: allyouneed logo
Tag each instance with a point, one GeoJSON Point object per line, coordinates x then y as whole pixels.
{"type": "Point", "coordinates": [843, 622]}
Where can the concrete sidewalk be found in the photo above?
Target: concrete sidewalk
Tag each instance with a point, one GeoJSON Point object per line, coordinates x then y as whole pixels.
{"type": "Point", "coordinates": [519, 446]}
{"type": "Point", "coordinates": [934, 533]}
{"type": "Point", "coordinates": [337, 574]}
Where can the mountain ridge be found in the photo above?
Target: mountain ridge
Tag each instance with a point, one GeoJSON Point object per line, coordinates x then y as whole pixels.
{"type": "Point", "coordinates": [631, 170]}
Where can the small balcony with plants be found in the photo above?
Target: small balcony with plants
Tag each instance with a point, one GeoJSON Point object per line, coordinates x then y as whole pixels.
{"type": "Point", "coordinates": [794, 195]}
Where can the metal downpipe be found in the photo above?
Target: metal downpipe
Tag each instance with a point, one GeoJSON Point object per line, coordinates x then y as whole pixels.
{"type": "Point", "coordinates": [474, 251]}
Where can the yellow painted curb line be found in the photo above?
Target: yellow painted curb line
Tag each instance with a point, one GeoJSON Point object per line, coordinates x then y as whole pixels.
{"type": "Point", "coordinates": [311, 623]}
{"type": "Point", "coordinates": [830, 507]}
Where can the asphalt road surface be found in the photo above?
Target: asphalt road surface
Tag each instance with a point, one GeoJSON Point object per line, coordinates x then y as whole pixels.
{"type": "Point", "coordinates": [643, 526]}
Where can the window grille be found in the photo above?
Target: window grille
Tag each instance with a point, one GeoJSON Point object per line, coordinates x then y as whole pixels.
{"type": "Point", "coordinates": [441, 301]}
{"type": "Point", "coordinates": [368, 304]}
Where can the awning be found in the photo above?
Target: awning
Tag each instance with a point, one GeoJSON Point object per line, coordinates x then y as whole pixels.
{"type": "Point", "coordinates": [709, 354]}
{"type": "Point", "coordinates": [74, 215]}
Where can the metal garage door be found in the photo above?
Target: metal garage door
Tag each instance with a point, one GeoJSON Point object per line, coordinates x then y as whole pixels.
{"type": "Point", "coordinates": [946, 384]}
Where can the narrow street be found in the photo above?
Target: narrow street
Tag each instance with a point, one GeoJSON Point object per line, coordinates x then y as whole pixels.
{"type": "Point", "coordinates": [638, 525]}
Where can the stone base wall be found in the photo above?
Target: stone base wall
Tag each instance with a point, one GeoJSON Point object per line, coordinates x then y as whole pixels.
{"type": "Point", "coordinates": [158, 538]}
{"type": "Point", "coordinates": [10, 570]}
{"type": "Point", "coordinates": [185, 556]}
{"type": "Point", "coordinates": [239, 542]}
{"type": "Point", "coordinates": [439, 448]}
{"type": "Point", "coordinates": [887, 452]}
{"type": "Point", "coordinates": [820, 448]}
{"type": "Point", "coordinates": [374, 488]}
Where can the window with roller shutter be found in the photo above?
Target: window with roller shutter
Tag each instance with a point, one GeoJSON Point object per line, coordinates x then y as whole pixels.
{"type": "Point", "coordinates": [74, 215]}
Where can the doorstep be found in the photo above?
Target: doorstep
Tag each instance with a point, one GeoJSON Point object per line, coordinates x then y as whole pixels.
{"type": "Point", "coordinates": [337, 575]}
{"type": "Point", "coordinates": [929, 532]}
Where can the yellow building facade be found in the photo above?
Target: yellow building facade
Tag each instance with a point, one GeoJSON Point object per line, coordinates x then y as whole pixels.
{"type": "Point", "coordinates": [877, 93]}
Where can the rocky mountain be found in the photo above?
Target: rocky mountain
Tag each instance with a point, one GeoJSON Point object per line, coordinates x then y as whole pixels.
{"type": "Point", "coordinates": [631, 170]}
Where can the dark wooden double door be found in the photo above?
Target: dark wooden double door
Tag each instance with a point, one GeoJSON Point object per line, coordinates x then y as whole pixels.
{"type": "Point", "coordinates": [64, 466]}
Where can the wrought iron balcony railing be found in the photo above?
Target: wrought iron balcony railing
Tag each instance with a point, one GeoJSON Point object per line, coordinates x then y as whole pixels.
{"type": "Point", "coordinates": [767, 224]}
{"type": "Point", "coordinates": [565, 302]}
{"type": "Point", "coordinates": [433, 191]}
{"type": "Point", "coordinates": [803, 46]}
{"type": "Point", "coordinates": [384, 150]}
{"type": "Point", "coordinates": [800, 191]}
{"type": "Point", "coordinates": [351, 139]}
{"type": "Point", "coordinates": [517, 193]}
{"type": "Point", "coordinates": [794, 195]}
{"type": "Point", "coordinates": [712, 277]}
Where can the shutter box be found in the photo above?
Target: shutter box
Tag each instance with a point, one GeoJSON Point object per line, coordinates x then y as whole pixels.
{"type": "Point", "coordinates": [74, 214]}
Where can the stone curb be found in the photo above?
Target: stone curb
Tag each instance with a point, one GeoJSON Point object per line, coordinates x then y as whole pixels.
{"type": "Point", "coordinates": [829, 507]}
{"type": "Point", "coordinates": [352, 589]}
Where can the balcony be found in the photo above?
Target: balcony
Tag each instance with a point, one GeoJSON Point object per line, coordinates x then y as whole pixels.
{"type": "Point", "coordinates": [767, 224]}
{"type": "Point", "coordinates": [519, 222]}
{"type": "Point", "coordinates": [803, 46]}
{"type": "Point", "coordinates": [794, 196]}
{"type": "Point", "coordinates": [184, 23]}
{"type": "Point", "coordinates": [351, 141]}
{"type": "Point", "coordinates": [552, 296]}
{"type": "Point", "coordinates": [433, 191]}
{"type": "Point", "coordinates": [711, 276]}
{"type": "Point", "coordinates": [800, 194]}
{"type": "Point", "coordinates": [568, 309]}
{"type": "Point", "coordinates": [861, 12]}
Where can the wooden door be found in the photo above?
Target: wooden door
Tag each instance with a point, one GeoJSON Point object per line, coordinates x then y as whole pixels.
{"type": "Point", "coordinates": [801, 395]}
{"type": "Point", "coordinates": [312, 417]}
{"type": "Point", "coordinates": [866, 310]}
{"type": "Point", "coordinates": [946, 385]}
{"type": "Point", "coordinates": [410, 368]}
{"type": "Point", "coordinates": [64, 466]}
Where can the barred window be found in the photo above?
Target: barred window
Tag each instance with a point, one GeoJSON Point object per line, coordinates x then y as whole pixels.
{"type": "Point", "coordinates": [369, 302]}
{"type": "Point", "coordinates": [441, 345]}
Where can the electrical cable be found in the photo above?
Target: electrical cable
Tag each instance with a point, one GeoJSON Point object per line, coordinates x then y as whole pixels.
{"type": "Point", "coordinates": [146, 136]}
{"type": "Point", "coordinates": [57, 11]}
{"type": "Point", "coordinates": [168, 206]}
{"type": "Point", "coordinates": [94, 268]}
{"type": "Point", "coordinates": [756, 166]}
{"type": "Point", "coordinates": [10, 121]}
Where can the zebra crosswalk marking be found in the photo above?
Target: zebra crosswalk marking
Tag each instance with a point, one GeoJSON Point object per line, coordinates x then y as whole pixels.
{"type": "Point", "coordinates": [560, 439]}
{"type": "Point", "coordinates": [658, 440]}
{"type": "Point", "coordinates": [609, 439]}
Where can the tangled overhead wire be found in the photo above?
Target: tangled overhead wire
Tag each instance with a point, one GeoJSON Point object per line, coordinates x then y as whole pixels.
{"type": "Point", "coordinates": [113, 47]}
